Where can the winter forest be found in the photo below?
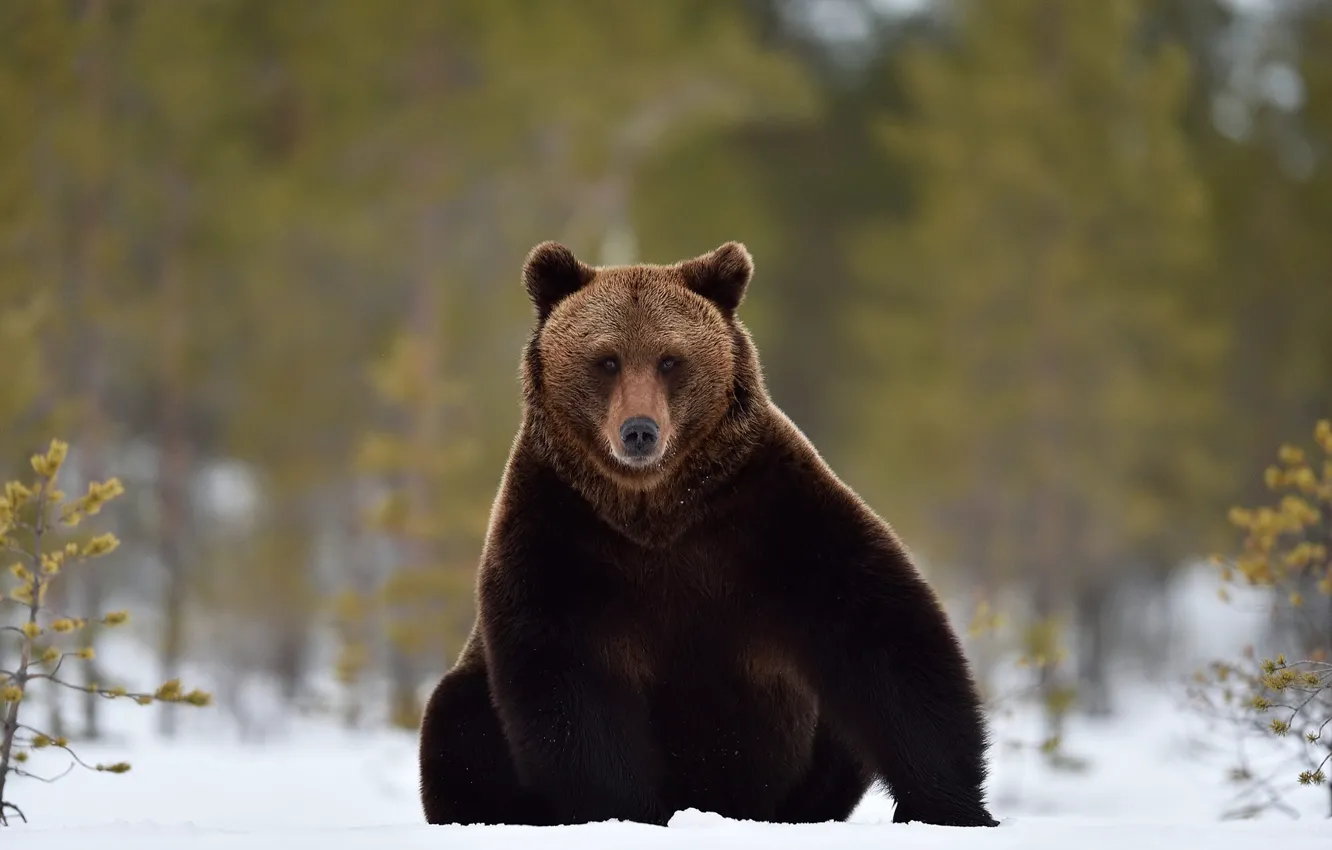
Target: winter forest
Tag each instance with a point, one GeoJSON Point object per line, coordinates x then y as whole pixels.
{"type": "Point", "coordinates": [1049, 282]}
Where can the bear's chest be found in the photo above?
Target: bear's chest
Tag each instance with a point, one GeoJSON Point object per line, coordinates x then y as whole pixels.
{"type": "Point", "coordinates": [723, 691]}
{"type": "Point", "coordinates": [684, 595]}
{"type": "Point", "coordinates": [699, 620]}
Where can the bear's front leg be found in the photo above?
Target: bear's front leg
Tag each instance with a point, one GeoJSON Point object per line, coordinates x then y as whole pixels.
{"type": "Point", "coordinates": [889, 670]}
{"type": "Point", "coordinates": [578, 731]}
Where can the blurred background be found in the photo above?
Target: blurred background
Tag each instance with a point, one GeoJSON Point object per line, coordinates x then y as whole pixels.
{"type": "Point", "coordinates": [1048, 282]}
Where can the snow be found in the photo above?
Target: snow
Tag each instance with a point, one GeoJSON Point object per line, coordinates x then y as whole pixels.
{"type": "Point", "coordinates": [686, 831]}
{"type": "Point", "coordinates": [1146, 786]}
{"type": "Point", "coordinates": [1155, 777]}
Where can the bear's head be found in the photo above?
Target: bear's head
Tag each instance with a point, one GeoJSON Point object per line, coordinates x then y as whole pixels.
{"type": "Point", "coordinates": [638, 366]}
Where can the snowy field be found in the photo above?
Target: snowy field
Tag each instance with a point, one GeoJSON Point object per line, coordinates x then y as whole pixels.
{"type": "Point", "coordinates": [1155, 778]}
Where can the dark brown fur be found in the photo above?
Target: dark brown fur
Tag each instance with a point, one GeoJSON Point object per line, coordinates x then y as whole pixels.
{"type": "Point", "coordinates": [729, 628]}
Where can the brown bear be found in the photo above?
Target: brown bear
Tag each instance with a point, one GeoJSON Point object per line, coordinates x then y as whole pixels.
{"type": "Point", "coordinates": [680, 605]}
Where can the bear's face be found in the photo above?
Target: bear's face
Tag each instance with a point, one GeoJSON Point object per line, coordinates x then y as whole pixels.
{"type": "Point", "coordinates": [637, 362]}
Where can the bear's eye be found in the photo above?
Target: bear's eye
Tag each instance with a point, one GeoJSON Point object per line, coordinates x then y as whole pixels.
{"type": "Point", "coordinates": [609, 365]}
{"type": "Point", "coordinates": [667, 364]}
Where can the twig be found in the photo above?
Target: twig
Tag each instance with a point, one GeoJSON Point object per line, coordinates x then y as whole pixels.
{"type": "Point", "coordinates": [1310, 698]}
{"type": "Point", "coordinates": [39, 733]}
{"type": "Point", "coordinates": [47, 779]}
{"type": "Point", "coordinates": [75, 757]}
{"type": "Point", "coordinates": [5, 805]}
{"type": "Point", "coordinates": [1256, 785]}
{"type": "Point", "coordinates": [1322, 763]}
{"type": "Point", "coordinates": [59, 746]}
{"type": "Point", "coordinates": [101, 692]}
{"type": "Point", "coordinates": [14, 550]}
{"type": "Point", "coordinates": [25, 653]}
{"type": "Point", "coordinates": [59, 662]}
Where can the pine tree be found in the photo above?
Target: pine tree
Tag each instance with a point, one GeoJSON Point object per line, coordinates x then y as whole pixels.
{"type": "Point", "coordinates": [39, 528]}
{"type": "Point", "coordinates": [1041, 359]}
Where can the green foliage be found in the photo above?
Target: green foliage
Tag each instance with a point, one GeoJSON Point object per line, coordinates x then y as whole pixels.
{"type": "Point", "coordinates": [38, 525]}
{"type": "Point", "coordinates": [1038, 356]}
{"type": "Point", "coordinates": [1040, 369]}
{"type": "Point", "coordinates": [427, 467]}
{"type": "Point", "coordinates": [1271, 253]}
{"type": "Point", "coordinates": [18, 341]}
{"type": "Point", "coordinates": [1288, 545]}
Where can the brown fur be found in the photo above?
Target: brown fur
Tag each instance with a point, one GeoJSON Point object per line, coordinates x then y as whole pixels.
{"type": "Point", "coordinates": [728, 627]}
{"type": "Point", "coordinates": [573, 420]}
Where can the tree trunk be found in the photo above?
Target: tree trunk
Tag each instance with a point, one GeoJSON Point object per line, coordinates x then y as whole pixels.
{"type": "Point", "coordinates": [88, 280]}
{"type": "Point", "coordinates": [288, 665]}
{"type": "Point", "coordinates": [1092, 605]}
{"type": "Point", "coordinates": [90, 583]}
{"type": "Point", "coordinates": [423, 427]}
{"type": "Point", "coordinates": [91, 442]}
{"type": "Point", "coordinates": [361, 569]}
{"type": "Point", "coordinates": [174, 469]}
{"type": "Point", "coordinates": [404, 708]}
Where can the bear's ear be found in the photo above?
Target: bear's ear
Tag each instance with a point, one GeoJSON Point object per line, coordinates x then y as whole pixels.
{"type": "Point", "coordinates": [551, 274]}
{"type": "Point", "coordinates": [721, 276]}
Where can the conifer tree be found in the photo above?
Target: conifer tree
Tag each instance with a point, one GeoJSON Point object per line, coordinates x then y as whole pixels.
{"type": "Point", "coordinates": [424, 459]}
{"type": "Point", "coordinates": [1040, 357]}
{"type": "Point", "coordinates": [39, 526]}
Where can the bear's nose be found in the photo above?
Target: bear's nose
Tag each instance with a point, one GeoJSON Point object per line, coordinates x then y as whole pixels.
{"type": "Point", "coordinates": [639, 436]}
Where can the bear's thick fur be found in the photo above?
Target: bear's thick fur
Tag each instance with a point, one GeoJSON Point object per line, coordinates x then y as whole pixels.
{"type": "Point", "coordinates": [680, 605]}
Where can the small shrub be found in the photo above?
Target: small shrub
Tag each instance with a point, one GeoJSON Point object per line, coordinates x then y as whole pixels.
{"type": "Point", "coordinates": [39, 526]}
{"type": "Point", "coordinates": [1285, 551]}
{"type": "Point", "coordinates": [1040, 656]}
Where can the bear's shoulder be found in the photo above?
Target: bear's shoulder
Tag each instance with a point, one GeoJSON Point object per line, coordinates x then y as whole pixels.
{"type": "Point", "coordinates": [794, 494]}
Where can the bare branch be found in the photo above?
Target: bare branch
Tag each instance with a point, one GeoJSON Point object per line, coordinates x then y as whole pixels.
{"type": "Point", "coordinates": [101, 692]}
{"type": "Point", "coordinates": [47, 779]}
{"type": "Point", "coordinates": [60, 661]}
{"type": "Point", "coordinates": [1324, 762]}
{"type": "Point", "coordinates": [60, 746]}
{"type": "Point", "coordinates": [26, 728]}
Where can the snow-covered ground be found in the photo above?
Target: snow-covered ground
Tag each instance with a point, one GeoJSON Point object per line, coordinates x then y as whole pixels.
{"type": "Point", "coordinates": [1155, 778]}
{"type": "Point", "coordinates": [1147, 785]}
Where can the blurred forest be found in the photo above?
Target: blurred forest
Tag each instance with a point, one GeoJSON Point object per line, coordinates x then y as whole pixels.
{"type": "Point", "coordinates": [1046, 281]}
